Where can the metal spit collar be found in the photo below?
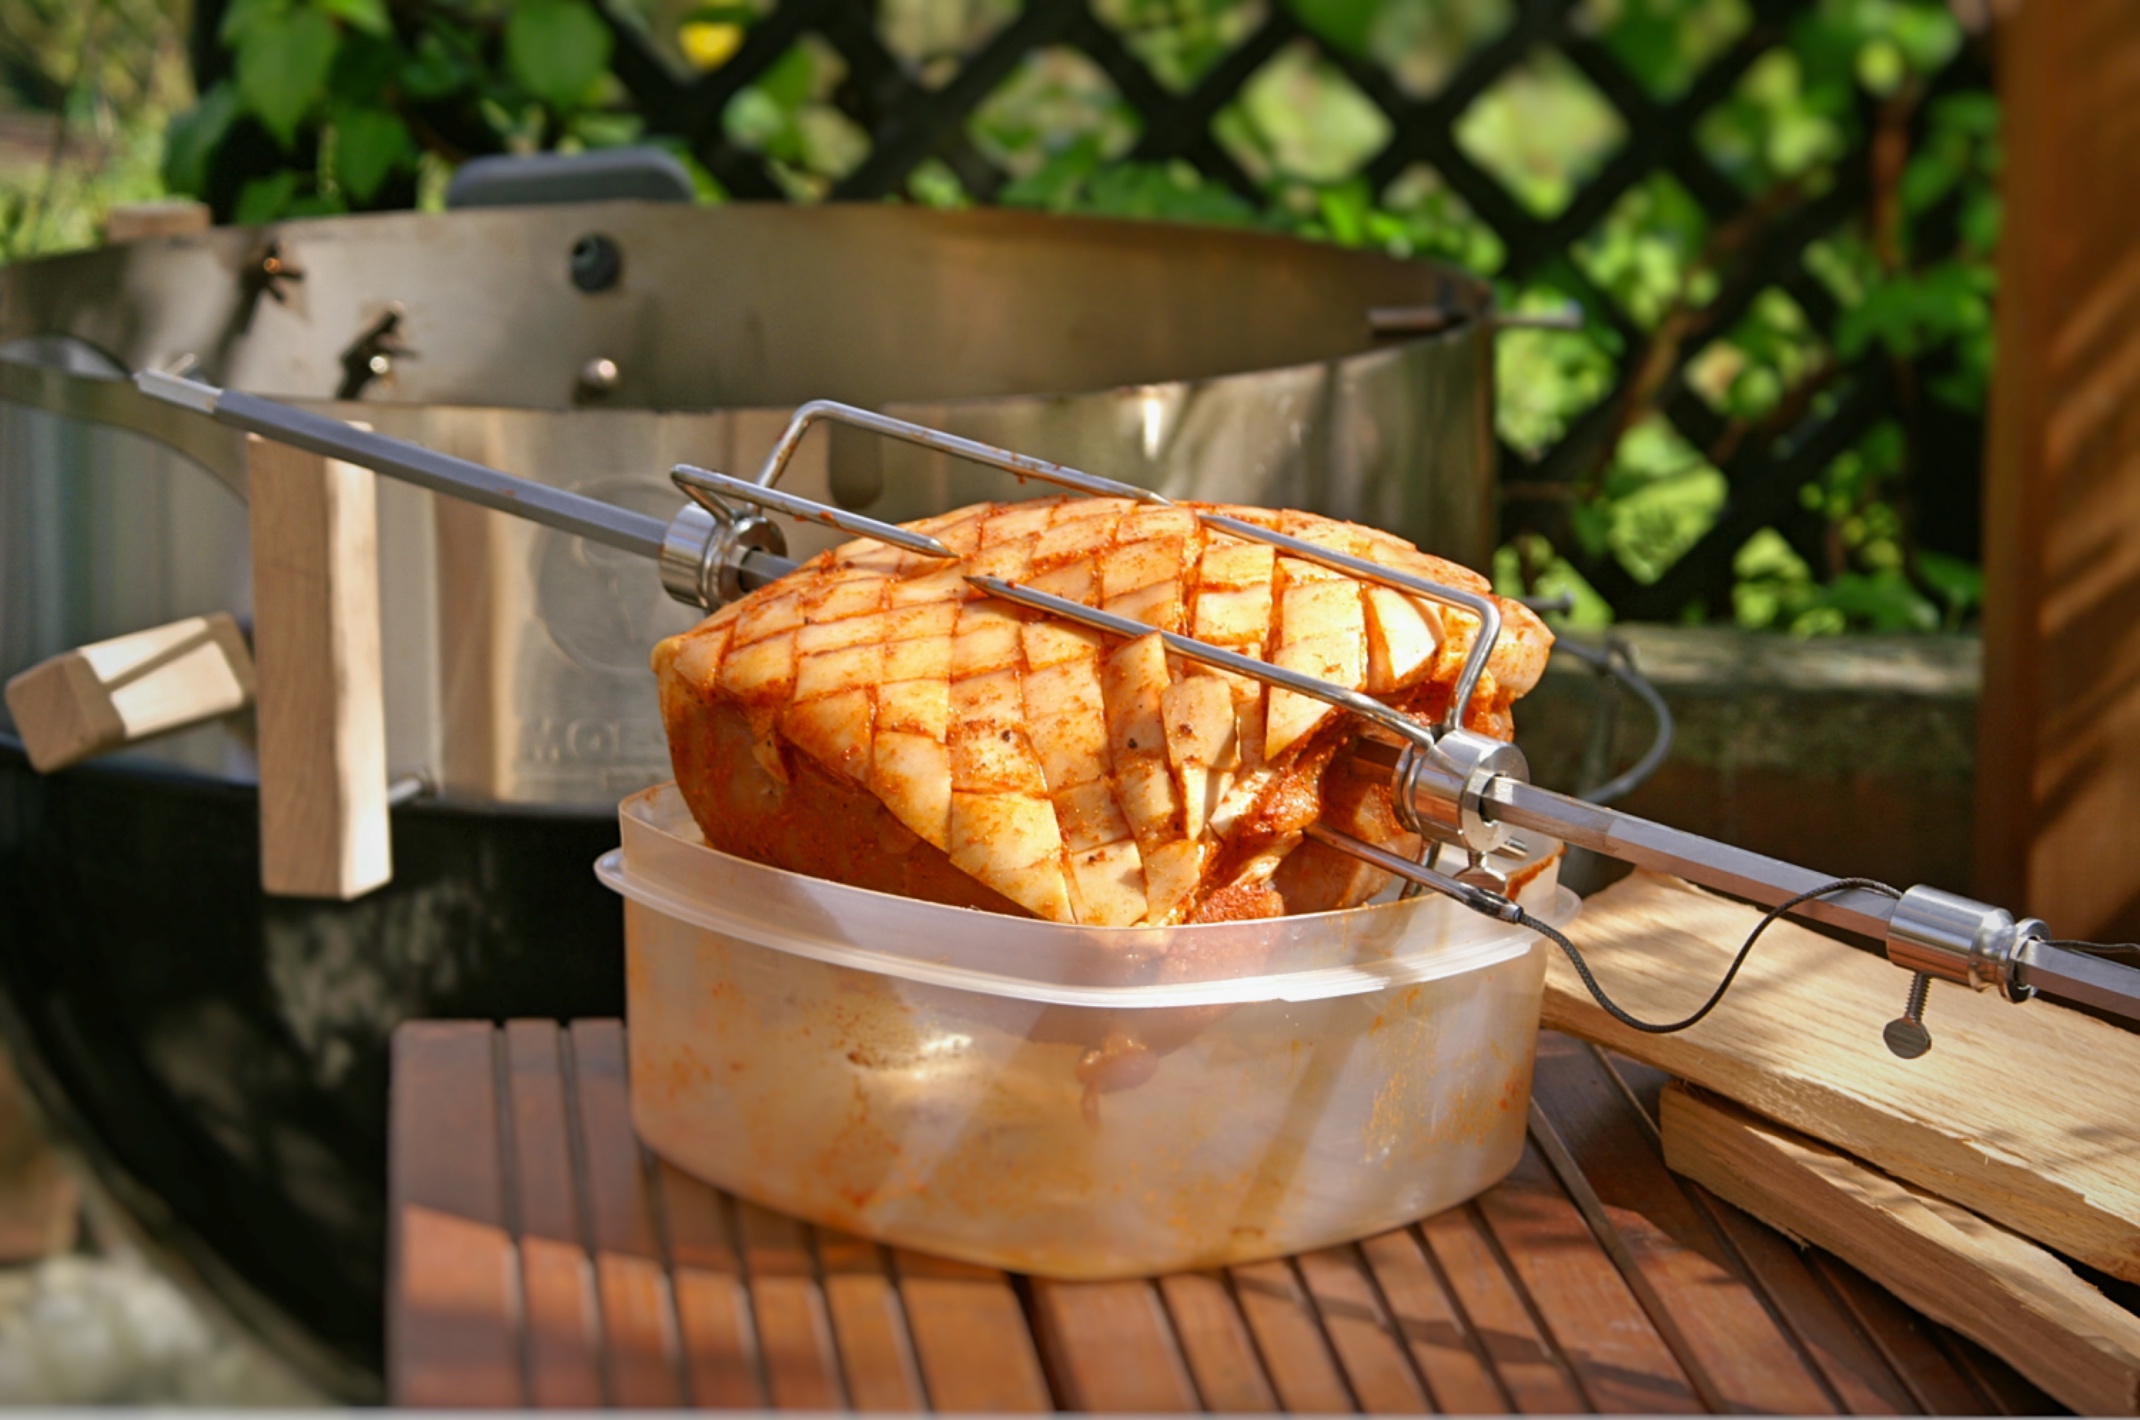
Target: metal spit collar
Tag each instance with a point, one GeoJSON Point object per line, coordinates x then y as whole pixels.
{"type": "Point", "coordinates": [1954, 938]}
{"type": "Point", "coordinates": [1440, 792]}
{"type": "Point", "coordinates": [702, 555]}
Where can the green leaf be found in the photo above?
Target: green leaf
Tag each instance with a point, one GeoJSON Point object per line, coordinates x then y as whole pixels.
{"type": "Point", "coordinates": [193, 136]}
{"type": "Point", "coordinates": [1960, 584]}
{"type": "Point", "coordinates": [368, 145]}
{"type": "Point", "coordinates": [557, 49]}
{"type": "Point", "coordinates": [283, 62]}
{"type": "Point", "coordinates": [266, 198]}
{"type": "Point", "coordinates": [243, 15]}
{"type": "Point", "coordinates": [1344, 23]}
{"type": "Point", "coordinates": [366, 15]}
{"type": "Point", "coordinates": [438, 68]}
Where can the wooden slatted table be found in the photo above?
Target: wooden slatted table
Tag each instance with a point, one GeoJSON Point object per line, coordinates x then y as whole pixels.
{"type": "Point", "coordinates": [541, 1257]}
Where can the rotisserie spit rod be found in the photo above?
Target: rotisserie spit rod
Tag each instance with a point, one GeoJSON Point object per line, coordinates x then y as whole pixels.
{"type": "Point", "coordinates": [705, 559]}
{"type": "Point", "coordinates": [1453, 786]}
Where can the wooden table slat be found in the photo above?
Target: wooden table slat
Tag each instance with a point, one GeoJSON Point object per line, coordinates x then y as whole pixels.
{"type": "Point", "coordinates": [539, 1255]}
{"type": "Point", "coordinates": [1623, 1364]}
{"type": "Point", "coordinates": [713, 1309]}
{"type": "Point", "coordinates": [1289, 1336]}
{"type": "Point", "coordinates": [453, 1335]}
{"type": "Point", "coordinates": [562, 1331]}
{"type": "Point", "coordinates": [802, 1366]}
{"type": "Point", "coordinates": [1906, 1339]}
{"type": "Point", "coordinates": [1536, 1375]}
{"type": "Point", "coordinates": [1735, 1343]}
{"type": "Point", "coordinates": [639, 1331]}
{"type": "Point", "coordinates": [1110, 1347]}
{"type": "Point", "coordinates": [1459, 1378]}
{"type": "Point", "coordinates": [2010, 1392]}
{"type": "Point", "coordinates": [1216, 1344]}
{"type": "Point", "coordinates": [1855, 1370]}
{"type": "Point", "coordinates": [868, 1323]}
{"type": "Point", "coordinates": [1360, 1330]}
{"type": "Point", "coordinates": [971, 1334]}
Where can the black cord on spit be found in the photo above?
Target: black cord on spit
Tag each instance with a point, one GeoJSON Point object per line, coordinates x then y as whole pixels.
{"type": "Point", "coordinates": [1495, 905]}
{"type": "Point", "coordinates": [2128, 950]}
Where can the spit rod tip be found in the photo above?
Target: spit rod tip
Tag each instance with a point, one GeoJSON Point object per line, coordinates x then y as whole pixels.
{"type": "Point", "coordinates": [177, 389]}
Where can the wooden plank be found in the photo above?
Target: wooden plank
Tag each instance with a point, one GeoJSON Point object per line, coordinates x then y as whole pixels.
{"type": "Point", "coordinates": [563, 1335]}
{"type": "Point", "coordinates": [2058, 764]}
{"type": "Point", "coordinates": [1988, 1119]}
{"type": "Point", "coordinates": [971, 1335]}
{"type": "Point", "coordinates": [639, 1331]}
{"type": "Point", "coordinates": [713, 1313]}
{"type": "Point", "coordinates": [1856, 1372]}
{"type": "Point", "coordinates": [320, 698]}
{"type": "Point", "coordinates": [1359, 1328]}
{"type": "Point", "coordinates": [1745, 1359]}
{"type": "Point", "coordinates": [1295, 1355]}
{"type": "Point", "coordinates": [802, 1368]}
{"type": "Point", "coordinates": [1906, 1339]}
{"type": "Point", "coordinates": [1531, 1368]}
{"type": "Point", "coordinates": [1215, 1343]}
{"type": "Point", "coordinates": [2011, 1392]}
{"type": "Point", "coordinates": [1459, 1379]}
{"type": "Point", "coordinates": [453, 1304]}
{"type": "Point", "coordinates": [1994, 1287]}
{"type": "Point", "coordinates": [1623, 1364]}
{"type": "Point", "coordinates": [110, 694]}
{"type": "Point", "coordinates": [131, 221]}
{"type": "Point", "coordinates": [1109, 1347]}
{"type": "Point", "coordinates": [868, 1325]}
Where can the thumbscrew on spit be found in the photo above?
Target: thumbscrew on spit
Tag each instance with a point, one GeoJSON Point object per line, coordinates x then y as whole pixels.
{"type": "Point", "coordinates": [1906, 1035]}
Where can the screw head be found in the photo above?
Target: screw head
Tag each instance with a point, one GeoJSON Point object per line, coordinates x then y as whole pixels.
{"type": "Point", "coordinates": [1907, 1038]}
{"type": "Point", "coordinates": [597, 262]}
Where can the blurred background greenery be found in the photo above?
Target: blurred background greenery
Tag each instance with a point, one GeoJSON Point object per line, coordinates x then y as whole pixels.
{"type": "Point", "coordinates": [279, 109]}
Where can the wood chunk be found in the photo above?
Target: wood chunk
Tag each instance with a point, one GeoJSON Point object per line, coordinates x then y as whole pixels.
{"type": "Point", "coordinates": [2002, 1291]}
{"type": "Point", "coordinates": [1110, 1348]}
{"type": "Point", "coordinates": [1989, 1119]}
{"type": "Point", "coordinates": [321, 702]}
{"type": "Point", "coordinates": [104, 696]}
{"type": "Point", "coordinates": [1216, 1344]}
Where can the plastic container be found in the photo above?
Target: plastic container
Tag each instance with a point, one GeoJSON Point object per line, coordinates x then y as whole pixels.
{"type": "Point", "coordinates": [1073, 1102]}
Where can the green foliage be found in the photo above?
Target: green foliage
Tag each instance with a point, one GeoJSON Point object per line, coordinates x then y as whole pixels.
{"type": "Point", "coordinates": [334, 105]}
{"type": "Point", "coordinates": [363, 101]}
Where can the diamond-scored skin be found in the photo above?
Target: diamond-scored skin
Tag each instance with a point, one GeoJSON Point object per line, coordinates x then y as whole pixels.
{"type": "Point", "coordinates": [874, 718]}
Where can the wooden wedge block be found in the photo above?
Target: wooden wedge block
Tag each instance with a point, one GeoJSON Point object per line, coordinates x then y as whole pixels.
{"type": "Point", "coordinates": [324, 829]}
{"type": "Point", "coordinates": [2028, 1115]}
{"type": "Point", "coordinates": [2001, 1290]}
{"type": "Point", "coordinates": [105, 696]}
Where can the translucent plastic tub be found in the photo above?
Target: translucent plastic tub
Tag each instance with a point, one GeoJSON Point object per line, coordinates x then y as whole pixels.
{"type": "Point", "coordinates": [1073, 1102]}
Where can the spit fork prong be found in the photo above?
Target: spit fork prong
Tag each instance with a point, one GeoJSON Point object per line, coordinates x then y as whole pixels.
{"type": "Point", "coordinates": [1189, 648]}
{"type": "Point", "coordinates": [1489, 615]}
{"type": "Point", "coordinates": [820, 411]}
{"type": "Point", "coordinates": [708, 489]}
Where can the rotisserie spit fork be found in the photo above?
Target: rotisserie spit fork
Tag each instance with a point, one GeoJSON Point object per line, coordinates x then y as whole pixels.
{"type": "Point", "coordinates": [1462, 792]}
